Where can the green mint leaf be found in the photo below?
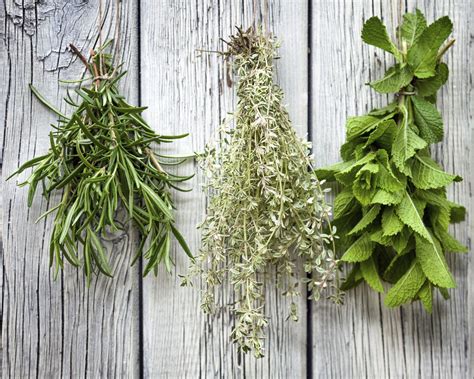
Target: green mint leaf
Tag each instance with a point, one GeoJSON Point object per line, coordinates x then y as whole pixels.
{"type": "Point", "coordinates": [384, 111]}
{"type": "Point", "coordinates": [406, 287]}
{"type": "Point", "coordinates": [425, 294]}
{"type": "Point", "coordinates": [432, 261]}
{"type": "Point", "coordinates": [427, 174]}
{"type": "Point", "coordinates": [429, 86]}
{"type": "Point", "coordinates": [368, 218]}
{"type": "Point", "coordinates": [395, 78]}
{"type": "Point", "coordinates": [357, 126]}
{"type": "Point", "coordinates": [387, 198]}
{"type": "Point", "coordinates": [427, 119]}
{"type": "Point", "coordinates": [457, 212]}
{"type": "Point", "coordinates": [391, 224]}
{"type": "Point", "coordinates": [379, 238]}
{"type": "Point", "coordinates": [364, 187]}
{"type": "Point", "coordinates": [386, 179]}
{"type": "Point", "coordinates": [410, 215]}
{"type": "Point", "coordinates": [347, 175]}
{"type": "Point", "coordinates": [381, 129]}
{"type": "Point", "coordinates": [327, 173]}
{"type": "Point", "coordinates": [448, 242]}
{"type": "Point", "coordinates": [422, 56]}
{"type": "Point", "coordinates": [374, 33]}
{"type": "Point", "coordinates": [344, 203]}
{"type": "Point", "coordinates": [413, 25]}
{"type": "Point", "coordinates": [371, 275]}
{"type": "Point", "coordinates": [444, 292]}
{"type": "Point", "coordinates": [405, 145]}
{"type": "Point", "coordinates": [360, 250]}
{"type": "Point", "coordinates": [402, 242]}
{"type": "Point", "coordinates": [398, 266]}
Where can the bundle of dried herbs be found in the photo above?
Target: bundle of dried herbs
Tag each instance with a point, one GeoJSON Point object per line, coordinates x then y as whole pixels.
{"type": "Point", "coordinates": [266, 205]}
{"type": "Point", "coordinates": [393, 212]}
{"type": "Point", "coordinates": [101, 157]}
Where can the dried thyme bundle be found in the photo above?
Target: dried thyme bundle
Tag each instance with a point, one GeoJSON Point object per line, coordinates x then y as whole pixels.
{"type": "Point", "coordinates": [393, 211]}
{"type": "Point", "coordinates": [101, 158]}
{"type": "Point", "coordinates": [266, 206]}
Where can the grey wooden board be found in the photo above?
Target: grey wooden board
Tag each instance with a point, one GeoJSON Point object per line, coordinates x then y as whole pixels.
{"type": "Point", "coordinates": [363, 338]}
{"type": "Point", "coordinates": [186, 92]}
{"type": "Point", "coordinates": [62, 329]}
{"type": "Point", "coordinates": [57, 328]}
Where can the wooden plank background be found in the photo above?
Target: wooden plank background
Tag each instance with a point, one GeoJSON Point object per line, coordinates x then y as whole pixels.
{"type": "Point", "coordinates": [129, 327]}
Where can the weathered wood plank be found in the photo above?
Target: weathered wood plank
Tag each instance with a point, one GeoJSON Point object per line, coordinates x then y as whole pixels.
{"type": "Point", "coordinates": [186, 93]}
{"type": "Point", "coordinates": [58, 328]}
{"type": "Point", "coordinates": [363, 338]}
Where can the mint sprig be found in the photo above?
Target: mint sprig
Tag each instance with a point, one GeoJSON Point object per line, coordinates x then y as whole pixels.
{"type": "Point", "coordinates": [392, 213]}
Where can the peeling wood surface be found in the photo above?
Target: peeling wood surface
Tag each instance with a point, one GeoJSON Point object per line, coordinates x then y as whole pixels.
{"type": "Point", "coordinates": [62, 329]}
{"type": "Point", "coordinates": [57, 328]}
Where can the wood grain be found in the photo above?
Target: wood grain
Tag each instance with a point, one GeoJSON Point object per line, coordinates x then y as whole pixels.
{"type": "Point", "coordinates": [58, 328]}
{"type": "Point", "coordinates": [363, 338]}
{"type": "Point", "coordinates": [186, 92]}
{"type": "Point", "coordinates": [64, 329]}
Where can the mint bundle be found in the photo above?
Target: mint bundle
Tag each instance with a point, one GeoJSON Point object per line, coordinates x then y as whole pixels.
{"type": "Point", "coordinates": [392, 213]}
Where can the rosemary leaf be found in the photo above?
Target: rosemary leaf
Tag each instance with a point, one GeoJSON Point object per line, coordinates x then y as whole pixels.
{"type": "Point", "coordinates": [102, 157]}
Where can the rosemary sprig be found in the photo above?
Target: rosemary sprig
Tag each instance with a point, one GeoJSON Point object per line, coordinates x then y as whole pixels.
{"type": "Point", "coordinates": [266, 207]}
{"type": "Point", "coordinates": [101, 157]}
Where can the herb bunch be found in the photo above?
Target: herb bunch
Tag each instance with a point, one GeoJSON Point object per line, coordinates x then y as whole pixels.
{"type": "Point", "coordinates": [393, 212]}
{"type": "Point", "coordinates": [101, 157]}
{"type": "Point", "coordinates": [266, 206]}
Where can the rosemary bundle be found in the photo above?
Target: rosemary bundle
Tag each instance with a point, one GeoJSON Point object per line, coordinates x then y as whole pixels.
{"type": "Point", "coordinates": [101, 158]}
{"type": "Point", "coordinates": [266, 206]}
{"type": "Point", "coordinates": [393, 211]}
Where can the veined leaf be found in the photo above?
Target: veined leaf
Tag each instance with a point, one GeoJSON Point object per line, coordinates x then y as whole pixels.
{"type": "Point", "coordinates": [429, 86]}
{"type": "Point", "coordinates": [399, 265]}
{"type": "Point", "coordinates": [426, 174]}
{"type": "Point", "coordinates": [343, 203]}
{"type": "Point", "coordinates": [328, 172]}
{"type": "Point", "coordinates": [432, 261]}
{"type": "Point", "coordinates": [448, 242]}
{"type": "Point", "coordinates": [395, 78]}
{"type": "Point", "coordinates": [380, 131]}
{"type": "Point", "coordinates": [347, 174]}
{"type": "Point", "coordinates": [387, 198]}
{"type": "Point", "coordinates": [413, 25]}
{"type": "Point", "coordinates": [423, 54]}
{"type": "Point", "coordinates": [410, 215]}
{"type": "Point", "coordinates": [371, 275]}
{"type": "Point", "coordinates": [425, 294]}
{"type": "Point", "coordinates": [407, 287]}
{"type": "Point", "coordinates": [374, 33]}
{"type": "Point", "coordinates": [357, 126]}
{"type": "Point", "coordinates": [368, 218]}
{"type": "Point", "coordinates": [406, 143]}
{"type": "Point", "coordinates": [360, 250]}
{"type": "Point", "coordinates": [427, 119]}
{"type": "Point", "coordinates": [391, 224]}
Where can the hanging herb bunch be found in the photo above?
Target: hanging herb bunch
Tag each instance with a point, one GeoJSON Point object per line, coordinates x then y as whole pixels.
{"type": "Point", "coordinates": [266, 206]}
{"type": "Point", "coordinates": [393, 211]}
{"type": "Point", "coordinates": [101, 157]}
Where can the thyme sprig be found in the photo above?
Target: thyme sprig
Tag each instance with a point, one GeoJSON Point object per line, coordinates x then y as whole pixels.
{"type": "Point", "coordinates": [102, 158]}
{"type": "Point", "coordinates": [266, 206]}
